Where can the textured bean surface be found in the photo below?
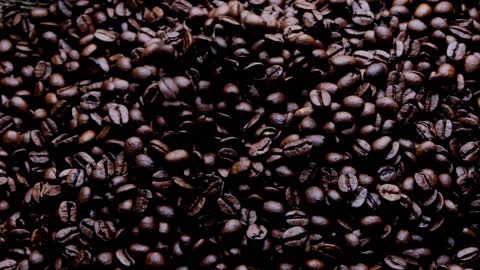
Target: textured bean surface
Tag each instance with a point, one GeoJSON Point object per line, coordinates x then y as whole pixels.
{"type": "Point", "coordinates": [241, 134]}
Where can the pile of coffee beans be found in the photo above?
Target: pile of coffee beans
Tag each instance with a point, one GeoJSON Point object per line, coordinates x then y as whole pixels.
{"type": "Point", "coordinates": [241, 134]}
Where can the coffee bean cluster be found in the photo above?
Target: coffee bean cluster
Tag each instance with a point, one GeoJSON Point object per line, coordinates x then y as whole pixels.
{"type": "Point", "coordinates": [249, 134]}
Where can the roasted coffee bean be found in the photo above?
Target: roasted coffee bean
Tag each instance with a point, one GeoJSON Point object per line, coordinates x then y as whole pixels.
{"type": "Point", "coordinates": [72, 177]}
{"type": "Point", "coordinates": [8, 264]}
{"type": "Point", "coordinates": [443, 129]}
{"type": "Point", "coordinates": [361, 148]}
{"type": "Point", "coordinates": [395, 262]}
{"type": "Point", "coordinates": [314, 195]}
{"type": "Point", "coordinates": [67, 235]}
{"type": "Point", "coordinates": [178, 156]}
{"type": "Point", "coordinates": [105, 35]}
{"type": "Point", "coordinates": [231, 228]}
{"type": "Point", "coordinates": [260, 148]}
{"type": "Point", "coordinates": [359, 198]}
{"type": "Point", "coordinates": [362, 17]}
{"type": "Point", "coordinates": [296, 218]}
{"type": "Point", "coordinates": [256, 232]}
{"type": "Point", "coordinates": [347, 183]}
{"type": "Point", "coordinates": [124, 258]}
{"type": "Point", "coordinates": [273, 207]}
{"type": "Point", "coordinates": [67, 212]}
{"type": "Point", "coordinates": [118, 114]}
{"type": "Point", "coordinates": [297, 148]}
{"type": "Point", "coordinates": [239, 134]}
{"type": "Point", "coordinates": [390, 192]}
{"type": "Point", "coordinates": [456, 51]}
{"type": "Point", "coordinates": [229, 205]}
{"type": "Point", "coordinates": [426, 179]}
{"type": "Point", "coordinates": [472, 64]}
{"type": "Point", "coordinates": [320, 98]}
{"type": "Point", "coordinates": [294, 237]}
{"type": "Point", "coordinates": [154, 260]}
{"type": "Point", "coordinates": [39, 158]}
{"type": "Point", "coordinates": [104, 230]}
{"type": "Point", "coordinates": [470, 151]}
{"type": "Point", "coordinates": [469, 254]}
{"type": "Point", "coordinates": [387, 173]}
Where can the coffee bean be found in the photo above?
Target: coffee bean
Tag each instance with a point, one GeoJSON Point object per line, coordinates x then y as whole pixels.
{"type": "Point", "coordinates": [229, 205]}
{"type": "Point", "coordinates": [417, 27]}
{"type": "Point", "coordinates": [314, 195]}
{"type": "Point", "coordinates": [468, 254]}
{"type": "Point", "coordinates": [118, 114]}
{"type": "Point", "coordinates": [177, 156]}
{"type": "Point", "coordinates": [294, 237]}
{"type": "Point", "coordinates": [395, 262]}
{"type": "Point", "coordinates": [185, 135]}
{"type": "Point", "coordinates": [124, 258]}
{"type": "Point", "coordinates": [104, 230]}
{"type": "Point", "coordinates": [387, 173]}
{"type": "Point", "coordinates": [105, 35]}
{"type": "Point", "coordinates": [154, 260]}
{"type": "Point", "coordinates": [320, 98]}
{"type": "Point", "coordinates": [347, 183]}
{"type": "Point", "coordinates": [256, 232]}
{"type": "Point", "coordinates": [469, 151]}
{"type": "Point", "coordinates": [363, 17]}
{"type": "Point", "coordinates": [460, 32]}
{"type": "Point", "coordinates": [343, 61]}
{"type": "Point", "coordinates": [296, 218]}
{"type": "Point", "coordinates": [39, 158]}
{"type": "Point", "coordinates": [361, 147]}
{"type": "Point", "coordinates": [425, 179]}
{"type": "Point", "coordinates": [273, 207]}
{"type": "Point", "coordinates": [8, 264]}
{"type": "Point", "coordinates": [472, 64]}
{"type": "Point", "coordinates": [67, 212]}
{"type": "Point", "coordinates": [5, 46]}
{"type": "Point", "coordinates": [297, 148]}
{"type": "Point", "coordinates": [383, 35]}
{"type": "Point", "coordinates": [390, 192]}
{"type": "Point", "coordinates": [456, 51]}
{"type": "Point", "coordinates": [67, 235]}
{"type": "Point", "coordinates": [359, 198]}
{"type": "Point", "coordinates": [260, 148]}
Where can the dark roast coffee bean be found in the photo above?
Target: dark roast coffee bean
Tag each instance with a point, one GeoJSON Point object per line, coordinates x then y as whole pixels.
{"type": "Point", "coordinates": [124, 258]}
{"type": "Point", "coordinates": [296, 218]}
{"type": "Point", "coordinates": [294, 237]}
{"type": "Point", "coordinates": [425, 180]}
{"type": "Point", "coordinates": [468, 254]}
{"type": "Point", "coordinates": [320, 98]}
{"type": "Point", "coordinates": [67, 212]}
{"type": "Point", "coordinates": [360, 197]}
{"type": "Point", "coordinates": [8, 264]}
{"type": "Point", "coordinates": [118, 114]}
{"type": "Point", "coordinates": [314, 195]}
{"type": "Point", "coordinates": [105, 35]}
{"type": "Point", "coordinates": [347, 183]}
{"type": "Point", "coordinates": [239, 134]}
{"type": "Point", "coordinates": [390, 192]}
{"type": "Point", "coordinates": [256, 232]}
{"type": "Point", "coordinates": [260, 148]}
{"type": "Point", "coordinates": [229, 205]}
{"type": "Point", "coordinates": [154, 260]}
{"type": "Point", "coordinates": [297, 148]}
{"type": "Point", "coordinates": [395, 262]}
{"type": "Point", "coordinates": [177, 156]}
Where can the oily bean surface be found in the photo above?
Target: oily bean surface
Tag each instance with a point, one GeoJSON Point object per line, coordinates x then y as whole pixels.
{"type": "Point", "coordinates": [240, 134]}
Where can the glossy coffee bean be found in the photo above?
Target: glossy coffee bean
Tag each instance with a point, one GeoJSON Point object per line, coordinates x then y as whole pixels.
{"type": "Point", "coordinates": [239, 134]}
